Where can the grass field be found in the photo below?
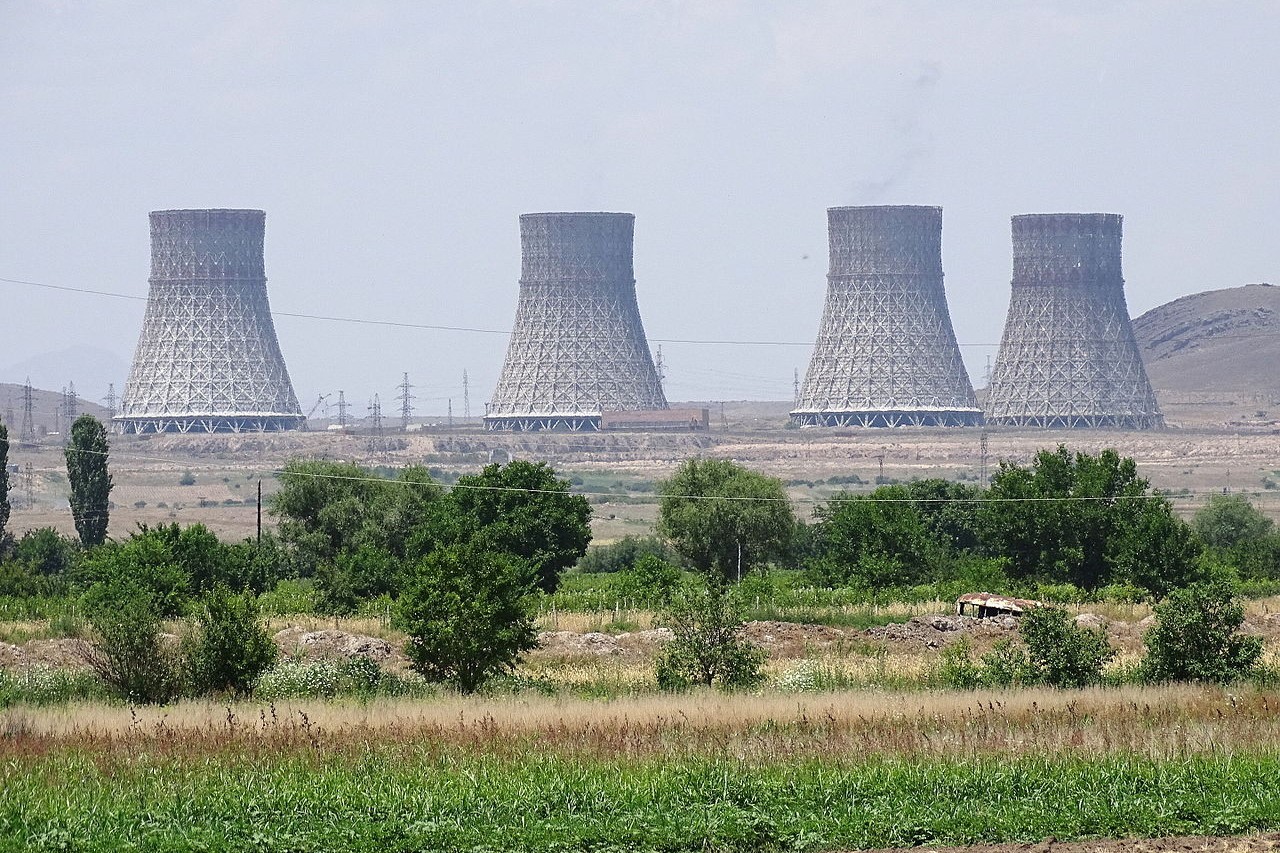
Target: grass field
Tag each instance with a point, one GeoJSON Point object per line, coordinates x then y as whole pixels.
{"type": "Point", "coordinates": [698, 772]}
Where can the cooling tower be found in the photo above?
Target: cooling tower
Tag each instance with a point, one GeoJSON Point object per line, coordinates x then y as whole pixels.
{"type": "Point", "coordinates": [207, 358]}
{"type": "Point", "coordinates": [578, 348]}
{"type": "Point", "coordinates": [1068, 358]}
{"type": "Point", "coordinates": [886, 354]}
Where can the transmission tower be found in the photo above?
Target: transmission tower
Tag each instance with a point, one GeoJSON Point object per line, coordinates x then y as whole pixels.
{"type": "Point", "coordinates": [377, 443]}
{"type": "Point", "coordinates": [343, 407]}
{"type": "Point", "coordinates": [70, 405]}
{"type": "Point", "coordinates": [659, 365]}
{"type": "Point", "coordinates": [450, 413]}
{"type": "Point", "coordinates": [466, 396]}
{"type": "Point", "coordinates": [406, 403]}
{"type": "Point", "coordinates": [110, 400]}
{"type": "Point", "coordinates": [8, 410]}
{"type": "Point", "coordinates": [29, 485]}
{"type": "Point", "coordinates": [28, 432]}
{"type": "Point", "coordinates": [795, 388]}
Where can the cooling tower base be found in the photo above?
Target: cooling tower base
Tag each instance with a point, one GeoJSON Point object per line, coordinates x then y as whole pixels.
{"type": "Point", "coordinates": [889, 419]}
{"type": "Point", "coordinates": [208, 424]}
{"type": "Point", "coordinates": [1080, 422]}
{"type": "Point", "coordinates": [543, 423]}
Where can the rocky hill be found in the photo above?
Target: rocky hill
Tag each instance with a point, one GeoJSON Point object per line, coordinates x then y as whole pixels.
{"type": "Point", "coordinates": [46, 409]}
{"type": "Point", "coordinates": [1216, 341]}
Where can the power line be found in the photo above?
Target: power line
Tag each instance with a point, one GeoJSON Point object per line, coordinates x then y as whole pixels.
{"type": "Point", "coordinates": [506, 332]}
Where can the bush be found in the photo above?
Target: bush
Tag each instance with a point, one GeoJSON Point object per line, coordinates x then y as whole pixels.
{"type": "Point", "coordinates": [128, 652]}
{"type": "Point", "coordinates": [650, 580]}
{"type": "Point", "coordinates": [956, 667]}
{"type": "Point", "coordinates": [467, 614]}
{"type": "Point", "coordinates": [1194, 637]}
{"type": "Point", "coordinates": [707, 648]}
{"type": "Point", "coordinates": [229, 647]}
{"type": "Point", "coordinates": [1061, 653]}
{"type": "Point", "coordinates": [623, 554]}
{"type": "Point", "coordinates": [326, 679]}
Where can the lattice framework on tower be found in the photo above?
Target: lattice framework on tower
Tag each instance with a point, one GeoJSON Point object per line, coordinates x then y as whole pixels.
{"type": "Point", "coordinates": [208, 359]}
{"type": "Point", "coordinates": [578, 346]}
{"type": "Point", "coordinates": [1068, 358]}
{"type": "Point", "coordinates": [886, 353]}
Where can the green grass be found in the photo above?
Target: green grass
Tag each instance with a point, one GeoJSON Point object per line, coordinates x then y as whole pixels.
{"type": "Point", "coordinates": [438, 799]}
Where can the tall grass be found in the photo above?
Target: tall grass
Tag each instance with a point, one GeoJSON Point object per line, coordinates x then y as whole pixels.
{"type": "Point", "coordinates": [445, 799]}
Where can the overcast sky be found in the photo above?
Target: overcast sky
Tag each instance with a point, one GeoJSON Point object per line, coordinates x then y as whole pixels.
{"type": "Point", "coordinates": [394, 144]}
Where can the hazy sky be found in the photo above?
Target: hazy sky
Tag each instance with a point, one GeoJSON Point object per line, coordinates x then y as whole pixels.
{"type": "Point", "coordinates": [394, 144]}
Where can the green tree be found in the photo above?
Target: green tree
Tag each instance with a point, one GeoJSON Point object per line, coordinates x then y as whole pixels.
{"type": "Point", "coordinates": [351, 529]}
{"type": "Point", "coordinates": [90, 482]}
{"type": "Point", "coordinates": [1079, 519]}
{"type": "Point", "coordinates": [723, 519]}
{"type": "Point", "coordinates": [622, 555]}
{"type": "Point", "coordinates": [522, 509]}
{"type": "Point", "coordinates": [1061, 653]}
{"type": "Point", "coordinates": [1239, 536]}
{"type": "Point", "coordinates": [650, 580]}
{"type": "Point", "coordinates": [874, 541]}
{"type": "Point", "coordinates": [467, 613]}
{"type": "Point", "coordinates": [47, 552]}
{"type": "Point", "coordinates": [1195, 637]}
{"type": "Point", "coordinates": [1226, 521]}
{"type": "Point", "coordinates": [707, 646]}
{"type": "Point", "coordinates": [144, 562]}
{"type": "Point", "coordinates": [229, 646]}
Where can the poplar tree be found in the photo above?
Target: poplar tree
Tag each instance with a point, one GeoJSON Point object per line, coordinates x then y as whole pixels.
{"type": "Point", "coordinates": [90, 482]}
{"type": "Point", "coordinates": [4, 478]}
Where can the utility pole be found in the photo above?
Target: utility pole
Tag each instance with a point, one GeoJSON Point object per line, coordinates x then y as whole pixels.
{"type": "Point", "coordinates": [982, 452]}
{"type": "Point", "coordinates": [28, 432]}
{"type": "Point", "coordinates": [406, 403]}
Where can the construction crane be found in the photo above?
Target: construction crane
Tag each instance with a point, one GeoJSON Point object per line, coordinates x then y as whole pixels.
{"type": "Point", "coordinates": [320, 401]}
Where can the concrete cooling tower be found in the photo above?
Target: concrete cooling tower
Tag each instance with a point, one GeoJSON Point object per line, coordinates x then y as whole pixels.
{"type": "Point", "coordinates": [578, 348]}
{"type": "Point", "coordinates": [1068, 358]}
{"type": "Point", "coordinates": [207, 359]}
{"type": "Point", "coordinates": [886, 354]}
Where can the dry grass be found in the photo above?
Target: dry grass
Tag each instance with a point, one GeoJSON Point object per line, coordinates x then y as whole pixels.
{"type": "Point", "coordinates": [1152, 721]}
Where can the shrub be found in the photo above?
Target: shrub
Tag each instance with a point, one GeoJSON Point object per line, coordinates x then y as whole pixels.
{"type": "Point", "coordinates": [229, 647]}
{"type": "Point", "coordinates": [623, 554]}
{"type": "Point", "coordinates": [956, 667]}
{"type": "Point", "coordinates": [1194, 637]}
{"type": "Point", "coordinates": [128, 652]}
{"type": "Point", "coordinates": [1061, 653]}
{"type": "Point", "coordinates": [706, 647]}
{"type": "Point", "coordinates": [650, 579]}
{"type": "Point", "coordinates": [44, 685]}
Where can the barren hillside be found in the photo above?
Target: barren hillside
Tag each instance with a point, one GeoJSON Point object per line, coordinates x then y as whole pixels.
{"type": "Point", "coordinates": [1219, 340]}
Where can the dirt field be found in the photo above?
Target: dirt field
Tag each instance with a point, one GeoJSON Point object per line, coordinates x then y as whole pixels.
{"type": "Point", "coordinates": [1212, 445]}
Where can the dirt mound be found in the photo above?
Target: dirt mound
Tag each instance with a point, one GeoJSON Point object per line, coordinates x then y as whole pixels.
{"type": "Point", "coordinates": [936, 631]}
{"type": "Point", "coordinates": [62, 653]}
{"type": "Point", "coordinates": [795, 639]}
{"type": "Point", "coordinates": [330, 643]}
{"type": "Point", "coordinates": [1200, 844]}
{"type": "Point", "coordinates": [1215, 341]}
{"type": "Point", "coordinates": [570, 645]}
